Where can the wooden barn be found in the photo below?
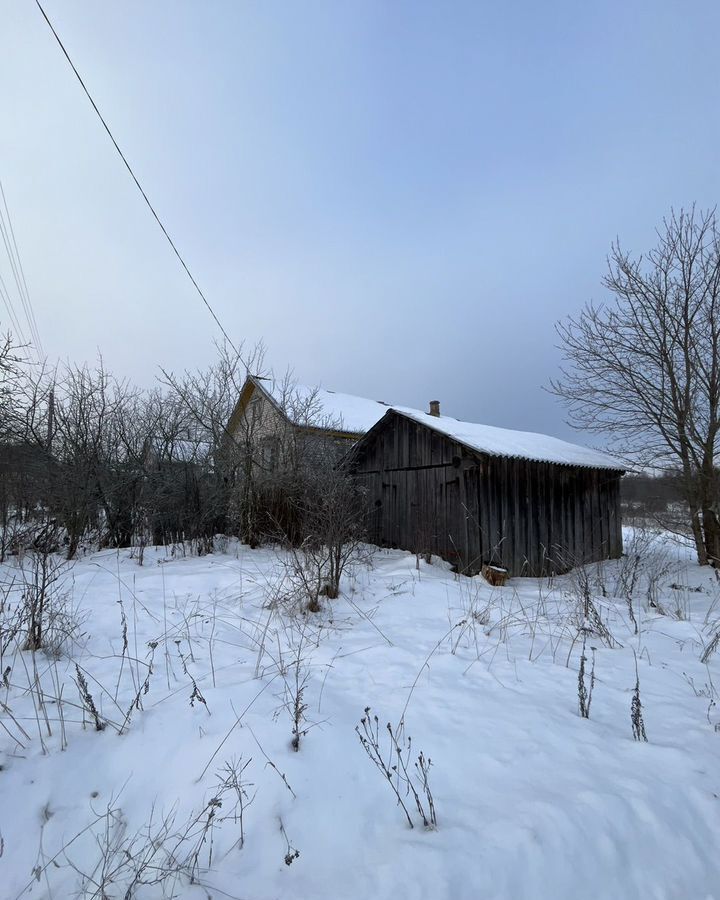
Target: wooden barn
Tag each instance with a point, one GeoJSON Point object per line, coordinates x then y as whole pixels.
{"type": "Point", "coordinates": [476, 494]}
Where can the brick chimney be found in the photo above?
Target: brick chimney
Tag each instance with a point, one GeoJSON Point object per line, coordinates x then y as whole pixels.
{"type": "Point", "coordinates": [435, 408]}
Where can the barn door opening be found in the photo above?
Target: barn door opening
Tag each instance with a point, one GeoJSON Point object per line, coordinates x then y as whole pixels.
{"type": "Point", "coordinates": [451, 521]}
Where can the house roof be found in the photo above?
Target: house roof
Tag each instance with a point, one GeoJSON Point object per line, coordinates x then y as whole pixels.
{"type": "Point", "coordinates": [314, 407]}
{"type": "Point", "coordinates": [329, 410]}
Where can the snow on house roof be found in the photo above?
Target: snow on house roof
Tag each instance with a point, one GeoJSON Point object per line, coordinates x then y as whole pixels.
{"type": "Point", "coordinates": [190, 450]}
{"type": "Point", "coordinates": [321, 408]}
{"type": "Point", "coordinates": [520, 444]}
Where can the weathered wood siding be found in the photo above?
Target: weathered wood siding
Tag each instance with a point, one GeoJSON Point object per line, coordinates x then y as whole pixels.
{"type": "Point", "coordinates": [427, 493]}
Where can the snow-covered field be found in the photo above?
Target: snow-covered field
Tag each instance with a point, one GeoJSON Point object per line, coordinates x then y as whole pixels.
{"type": "Point", "coordinates": [532, 800]}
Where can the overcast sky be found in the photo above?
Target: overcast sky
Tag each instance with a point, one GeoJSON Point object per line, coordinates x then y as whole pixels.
{"type": "Point", "coordinates": [400, 199]}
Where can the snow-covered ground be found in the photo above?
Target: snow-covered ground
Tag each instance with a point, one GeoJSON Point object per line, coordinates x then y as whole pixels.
{"type": "Point", "coordinates": [532, 800]}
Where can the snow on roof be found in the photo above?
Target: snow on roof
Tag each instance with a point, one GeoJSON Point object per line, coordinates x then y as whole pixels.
{"type": "Point", "coordinates": [321, 408]}
{"type": "Point", "coordinates": [521, 444]}
{"type": "Point", "coordinates": [188, 450]}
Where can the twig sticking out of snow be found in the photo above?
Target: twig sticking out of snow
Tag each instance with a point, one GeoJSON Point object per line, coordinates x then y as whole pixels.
{"type": "Point", "coordinates": [395, 768]}
{"type": "Point", "coordinates": [87, 699]}
{"type": "Point", "coordinates": [585, 693]}
{"type": "Point", "coordinates": [636, 716]}
{"type": "Point", "coordinates": [292, 852]}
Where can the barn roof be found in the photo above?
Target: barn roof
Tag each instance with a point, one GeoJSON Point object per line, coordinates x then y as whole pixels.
{"type": "Point", "coordinates": [518, 444]}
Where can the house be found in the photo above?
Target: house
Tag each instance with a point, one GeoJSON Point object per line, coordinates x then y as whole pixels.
{"type": "Point", "coordinates": [476, 494]}
{"type": "Point", "coordinates": [271, 415]}
{"type": "Point", "coordinates": [279, 432]}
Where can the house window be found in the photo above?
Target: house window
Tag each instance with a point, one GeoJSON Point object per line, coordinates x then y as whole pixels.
{"type": "Point", "coordinates": [269, 454]}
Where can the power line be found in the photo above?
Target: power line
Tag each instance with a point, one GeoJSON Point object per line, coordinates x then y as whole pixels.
{"type": "Point", "coordinates": [8, 236]}
{"type": "Point", "coordinates": [13, 269]}
{"type": "Point", "coordinates": [30, 312]}
{"type": "Point", "coordinates": [7, 300]}
{"type": "Point", "coordinates": [134, 178]}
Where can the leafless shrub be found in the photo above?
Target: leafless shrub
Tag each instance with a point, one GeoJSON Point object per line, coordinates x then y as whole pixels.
{"type": "Point", "coordinates": [165, 852]}
{"type": "Point", "coordinates": [646, 567]}
{"type": "Point", "coordinates": [394, 765]}
{"type": "Point", "coordinates": [587, 614]}
{"type": "Point", "coordinates": [329, 513]}
{"type": "Point", "coordinates": [630, 564]}
{"type": "Point", "coordinates": [50, 620]}
{"type": "Point", "coordinates": [301, 585]}
{"type": "Point", "coordinates": [36, 607]}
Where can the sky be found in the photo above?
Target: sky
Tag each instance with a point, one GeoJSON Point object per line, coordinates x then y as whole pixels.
{"type": "Point", "coordinates": [400, 198]}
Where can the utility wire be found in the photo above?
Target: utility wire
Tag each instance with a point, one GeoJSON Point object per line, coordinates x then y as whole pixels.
{"type": "Point", "coordinates": [13, 268]}
{"type": "Point", "coordinates": [8, 236]}
{"type": "Point", "coordinates": [134, 178]}
{"type": "Point", "coordinates": [7, 300]}
{"type": "Point", "coordinates": [30, 312]}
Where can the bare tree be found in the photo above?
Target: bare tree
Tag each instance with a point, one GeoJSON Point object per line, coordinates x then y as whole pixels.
{"type": "Point", "coordinates": [335, 522]}
{"type": "Point", "coordinates": [23, 451]}
{"type": "Point", "coordinates": [90, 408]}
{"type": "Point", "coordinates": [645, 369]}
{"type": "Point", "coordinates": [10, 373]}
{"type": "Point", "coordinates": [208, 398]}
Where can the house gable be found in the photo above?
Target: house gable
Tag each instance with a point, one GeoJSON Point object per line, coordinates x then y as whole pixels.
{"type": "Point", "coordinates": [312, 410]}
